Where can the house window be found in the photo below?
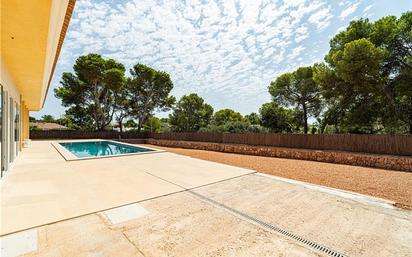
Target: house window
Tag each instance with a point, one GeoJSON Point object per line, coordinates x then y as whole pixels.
{"type": "Point", "coordinates": [17, 127]}
{"type": "Point", "coordinates": [1, 132]}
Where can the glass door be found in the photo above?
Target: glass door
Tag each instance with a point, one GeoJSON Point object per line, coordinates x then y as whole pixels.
{"type": "Point", "coordinates": [11, 130]}
{"type": "Point", "coordinates": [1, 131]}
{"type": "Point", "coordinates": [5, 134]}
{"type": "Point", "coordinates": [16, 128]}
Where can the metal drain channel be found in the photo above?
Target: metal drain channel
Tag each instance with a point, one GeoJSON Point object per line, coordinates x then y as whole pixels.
{"type": "Point", "coordinates": [301, 240]}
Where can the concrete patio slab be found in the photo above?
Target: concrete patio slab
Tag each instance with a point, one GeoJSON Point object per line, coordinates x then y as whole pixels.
{"type": "Point", "coordinates": [345, 225]}
{"type": "Point", "coordinates": [174, 226]}
{"type": "Point", "coordinates": [19, 243]}
{"type": "Point", "coordinates": [369, 200]}
{"type": "Point", "coordinates": [83, 237]}
{"type": "Point", "coordinates": [125, 213]}
{"type": "Point", "coordinates": [190, 207]}
{"type": "Point", "coordinates": [44, 188]}
{"type": "Point", "coordinates": [187, 172]}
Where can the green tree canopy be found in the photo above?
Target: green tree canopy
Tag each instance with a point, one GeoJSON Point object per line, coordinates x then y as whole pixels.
{"type": "Point", "coordinates": [122, 105]}
{"type": "Point", "coordinates": [90, 91]}
{"type": "Point", "coordinates": [235, 127]}
{"type": "Point", "coordinates": [224, 116]}
{"type": "Point", "coordinates": [47, 118]}
{"type": "Point", "coordinates": [67, 122]}
{"type": "Point", "coordinates": [365, 79]}
{"type": "Point", "coordinates": [253, 118]}
{"type": "Point", "coordinates": [190, 114]}
{"type": "Point", "coordinates": [148, 89]}
{"type": "Point", "coordinates": [298, 89]}
{"type": "Point", "coordinates": [276, 118]}
{"type": "Point", "coordinates": [152, 124]}
{"type": "Point", "coordinates": [130, 124]}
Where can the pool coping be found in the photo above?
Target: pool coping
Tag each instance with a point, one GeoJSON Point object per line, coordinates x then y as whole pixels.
{"type": "Point", "coordinates": [69, 156]}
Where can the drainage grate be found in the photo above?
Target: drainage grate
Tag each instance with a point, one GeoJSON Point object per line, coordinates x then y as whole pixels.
{"type": "Point", "coordinates": [304, 241]}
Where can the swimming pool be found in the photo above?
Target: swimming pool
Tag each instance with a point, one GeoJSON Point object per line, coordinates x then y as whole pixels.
{"type": "Point", "coordinates": [100, 148]}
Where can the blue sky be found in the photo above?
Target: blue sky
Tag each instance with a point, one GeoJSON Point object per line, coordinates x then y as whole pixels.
{"type": "Point", "coordinates": [226, 51]}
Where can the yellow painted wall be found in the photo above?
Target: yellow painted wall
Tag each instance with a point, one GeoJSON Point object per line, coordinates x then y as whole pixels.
{"type": "Point", "coordinates": [24, 30]}
{"type": "Point", "coordinates": [29, 44]}
{"type": "Point", "coordinates": [24, 123]}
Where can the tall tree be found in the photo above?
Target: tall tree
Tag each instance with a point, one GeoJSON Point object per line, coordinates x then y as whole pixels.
{"type": "Point", "coordinates": [148, 90]}
{"type": "Point", "coordinates": [224, 116]}
{"type": "Point", "coordinates": [354, 84]}
{"type": "Point", "coordinates": [190, 114]}
{"type": "Point", "coordinates": [403, 97]}
{"type": "Point", "coordinates": [298, 89]}
{"type": "Point", "coordinates": [122, 106]}
{"type": "Point", "coordinates": [364, 75]}
{"type": "Point", "coordinates": [79, 118]}
{"type": "Point", "coordinates": [276, 118]}
{"type": "Point", "coordinates": [89, 92]}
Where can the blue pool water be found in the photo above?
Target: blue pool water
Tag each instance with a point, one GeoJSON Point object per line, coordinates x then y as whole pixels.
{"type": "Point", "coordinates": [101, 148]}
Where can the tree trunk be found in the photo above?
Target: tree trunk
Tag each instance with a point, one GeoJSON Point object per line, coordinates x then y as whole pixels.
{"type": "Point", "coordinates": [322, 128]}
{"type": "Point", "coordinates": [305, 119]}
{"type": "Point", "coordinates": [139, 126]}
{"type": "Point", "coordinates": [142, 120]}
{"type": "Point", "coordinates": [121, 126]}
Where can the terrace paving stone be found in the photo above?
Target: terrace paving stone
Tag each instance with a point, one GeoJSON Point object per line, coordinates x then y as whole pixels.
{"type": "Point", "coordinates": [43, 187]}
{"type": "Point", "coordinates": [68, 203]}
{"type": "Point", "coordinates": [81, 237]}
{"type": "Point", "coordinates": [173, 226]}
{"type": "Point", "coordinates": [345, 225]}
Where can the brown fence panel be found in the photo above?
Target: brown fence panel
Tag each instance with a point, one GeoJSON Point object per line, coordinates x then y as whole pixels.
{"type": "Point", "coordinates": [188, 136]}
{"type": "Point", "coordinates": [76, 134]}
{"type": "Point", "coordinates": [379, 144]}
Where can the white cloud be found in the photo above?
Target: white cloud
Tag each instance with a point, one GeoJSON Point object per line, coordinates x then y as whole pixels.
{"type": "Point", "coordinates": [349, 10]}
{"type": "Point", "coordinates": [367, 8]}
{"type": "Point", "coordinates": [227, 51]}
{"type": "Point", "coordinates": [301, 33]}
{"type": "Point", "coordinates": [296, 52]}
{"type": "Point", "coordinates": [321, 18]}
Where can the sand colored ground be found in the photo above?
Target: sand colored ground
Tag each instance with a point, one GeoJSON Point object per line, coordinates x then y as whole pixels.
{"type": "Point", "coordinates": [195, 217]}
{"type": "Point", "coordinates": [174, 226]}
{"type": "Point", "coordinates": [387, 184]}
{"type": "Point", "coordinates": [182, 224]}
{"type": "Point", "coordinates": [43, 187]}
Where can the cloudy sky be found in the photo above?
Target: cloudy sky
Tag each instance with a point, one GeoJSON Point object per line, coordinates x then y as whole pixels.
{"type": "Point", "coordinates": [227, 51]}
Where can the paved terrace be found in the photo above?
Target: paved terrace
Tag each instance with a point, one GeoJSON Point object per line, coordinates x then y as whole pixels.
{"type": "Point", "coordinates": [164, 204]}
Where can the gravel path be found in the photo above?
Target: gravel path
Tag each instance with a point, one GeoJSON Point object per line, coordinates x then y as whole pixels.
{"type": "Point", "coordinates": [392, 185]}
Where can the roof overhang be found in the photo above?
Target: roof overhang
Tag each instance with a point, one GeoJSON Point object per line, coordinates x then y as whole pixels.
{"type": "Point", "coordinates": [32, 33]}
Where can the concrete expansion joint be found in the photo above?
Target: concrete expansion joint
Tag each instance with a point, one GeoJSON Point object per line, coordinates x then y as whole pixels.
{"type": "Point", "coordinates": [270, 227]}
{"type": "Point", "coordinates": [134, 245]}
{"type": "Point", "coordinates": [105, 221]}
{"type": "Point", "coordinates": [255, 220]}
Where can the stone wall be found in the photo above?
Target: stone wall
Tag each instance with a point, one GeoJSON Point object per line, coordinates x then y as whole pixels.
{"type": "Point", "coordinates": [400, 163]}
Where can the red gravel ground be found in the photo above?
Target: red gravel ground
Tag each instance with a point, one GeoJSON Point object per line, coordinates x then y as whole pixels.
{"type": "Point", "coordinates": [392, 185]}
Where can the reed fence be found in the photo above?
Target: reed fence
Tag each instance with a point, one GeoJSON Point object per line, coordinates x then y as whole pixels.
{"type": "Point", "coordinates": [377, 144]}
